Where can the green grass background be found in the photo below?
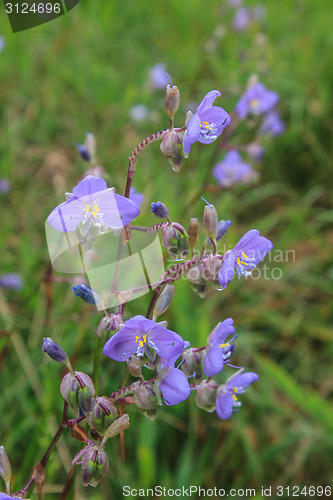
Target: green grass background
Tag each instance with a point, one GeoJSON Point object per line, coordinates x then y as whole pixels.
{"type": "Point", "coordinates": [84, 72]}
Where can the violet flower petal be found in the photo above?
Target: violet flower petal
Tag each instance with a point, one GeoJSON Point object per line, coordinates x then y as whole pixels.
{"type": "Point", "coordinates": [174, 387]}
{"type": "Point", "coordinates": [224, 404]}
{"type": "Point", "coordinates": [227, 270]}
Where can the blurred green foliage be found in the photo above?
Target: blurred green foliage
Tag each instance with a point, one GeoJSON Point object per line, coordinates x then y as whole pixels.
{"type": "Point", "coordinates": [85, 71]}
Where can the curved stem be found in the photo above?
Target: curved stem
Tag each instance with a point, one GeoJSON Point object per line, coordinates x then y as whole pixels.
{"type": "Point", "coordinates": [134, 158]}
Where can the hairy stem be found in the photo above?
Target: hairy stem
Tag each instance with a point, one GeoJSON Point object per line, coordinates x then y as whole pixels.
{"type": "Point", "coordinates": [134, 158]}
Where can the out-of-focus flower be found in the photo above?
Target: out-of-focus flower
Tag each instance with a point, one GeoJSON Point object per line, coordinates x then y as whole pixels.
{"type": "Point", "coordinates": [256, 151]}
{"type": "Point", "coordinates": [256, 100]}
{"type": "Point", "coordinates": [11, 280]}
{"type": "Point", "coordinates": [235, 3]}
{"type": "Point", "coordinates": [218, 351]}
{"type": "Point", "coordinates": [54, 350]}
{"type": "Point", "coordinates": [233, 170]}
{"type": "Point", "coordinates": [158, 77]}
{"type": "Point", "coordinates": [208, 122]}
{"type": "Point", "coordinates": [2, 43]}
{"type": "Point", "coordinates": [226, 400]}
{"type": "Point", "coordinates": [249, 251]}
{"type": "Point", "coordinates": [5, 186]}
{"type": "Point", "coordinates": [140, 333]}
{"type": "Point", "coordinates": [272, 124]}
{"type": "Point", "coordinates": [242, 19]}
{"type": "Point", "coordinates": [139, 113]}
{"type": "Point", "coordinates": [93, 208]}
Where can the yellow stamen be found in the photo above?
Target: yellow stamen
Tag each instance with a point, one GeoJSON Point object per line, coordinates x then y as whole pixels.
{"type": "Point", "coordinates": [205, 123]}
{"type": "Point", "coordinates": [95, 207]}
{"type": "Point", "coordinates": [223, 345]}
{"type": "Point", "coordinates": [254, 103]}
{"type": "Point", "coordinates": [141, 342]}
{"type": "Point", "coordinates": [234, 397]}
{"type": "Point", "coordinates": [244, 255]}
{"type": "Point", "coordinates": [87, 208]}
{"type": "Point", "coordinates": [94, 214]}
{"type": "Point", "coordinates": [238, 260]}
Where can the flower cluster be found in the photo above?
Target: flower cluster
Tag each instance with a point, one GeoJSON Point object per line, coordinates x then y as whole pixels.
{"type": "Point", "coordinates": [161, 365]}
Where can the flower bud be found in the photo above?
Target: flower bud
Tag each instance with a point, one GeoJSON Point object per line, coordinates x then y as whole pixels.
{"type": "Point", "coordinates": [164, 300]}
{"type": "Point", "coordinates": [103, 414]}
{"type": "Point", "coordinates": [95, 464]}
{"type": "Point", "coordinates": [192, 365]}
{"type": "Point", "coordinates": [86, 294]}
{"type": "Point", "coordinates": [168, 235]}
{"type": "Point", "coordinates": [121, 424]}
{"type": "Point", "coordinates": [222, 228]}
{"type": "Point", "coordinates": [83, 152]}
{"type": "Point", "coordinates": [146, 400]}
{"type": "Point", "coordinates": [78, 392]}
{"type": "Point", "coordinates": [5, 468]}
{"type": "Point", "coordinates": [54, 350]}
{"type": "Point", "coordinates": [193, 232]}
{"type": "Point", "coordinates": [111, 323]}
{"type": "Point", "coordinates": [171, 147]}
{"type": "Point", "coordinates": [172, 100]}
{"type": "Point", "coordinates": [206, 395]}
{"type": "Point", "coordinates": [160, 210]}
{"type": "Point", "coordinates": [210, 221]}
{"type": "Point", "coordinates": [134, 366]}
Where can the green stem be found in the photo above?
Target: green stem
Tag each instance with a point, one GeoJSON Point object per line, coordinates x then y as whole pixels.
{"type": "Point", "coordinates": [97, 362]}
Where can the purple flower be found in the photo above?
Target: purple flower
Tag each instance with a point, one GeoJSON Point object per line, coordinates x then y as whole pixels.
{"type": "Point", "coordinates": [137, 335]}
{"type": "Point", "coordinates": [218, 351]}
{"type": "Point", "coordinates": [249, 251]}
{"type": "Point", "coordinates": [174, 385]}
{"type": "Point", "coordinates": [158, 77]}
{"type": "Point", "coordinates": [272, 124]}
{"type": "Point", "coordinates": [11, 280]}
{"type": "Point", "coordinates": [257, 100]}
{"type": "Point", "coordinates": [94, 208]}
{"type": "Point", "coordinates": [136, 197]}
{"type": "Point", "coordinates": [233, 170]}
{"type": "Point", "coordinates": [242, 19]}
{"type": "Point", "coordinates": [2, 43]}
{"type": "Point", "coordinates": [226, 400]}
{"type": "Point", "coordinates": [208, 122]}
{"type": "Point", "coordinates": [256, 151]}
{"type": "Point", "coordinates": [4, 496]}
{"type": "Point", "coordinates": [4, 186]}
{"type": "Point", "coordinates": [159, 209]}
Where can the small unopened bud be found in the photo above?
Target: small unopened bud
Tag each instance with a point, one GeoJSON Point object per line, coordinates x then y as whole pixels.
{"type": "Point", "coordinates": [5, 468]}
{"type": "Point", "coordinates": [193, 232]}
{"type": "Point", "coordinates": [192, 365]}
{"type": "Point", "coordinates": [146, 400]}
{"type": "Point", "coordinates": [160, 210]}
{"type": "Point", "coordinates": [87, 294]}
{"type": "Point", "coordinates": [78, 391]}
{"type": "Point", "coordinates": [95, 464]}
{"type": "Point", "coordinates": [164, 300]}
{"type": "Point", "coordinates": [103, 414]}
{"type": "Point", "coordinates": [168, 235]}
{"type": "Point", "coordinates": [83, 152]}
{"type": "Point", "coordinates": [171, 147]}
{"type": "Point", "coordinates": [210, 221]}
{"type": "Point", "coordinates": [121, 424]}
{"type": "Point", "coordinates": [206, 395]}
{"type": "Point", "coordinates": [189, 116]}
{"type": "Point", "coordinates": [54, 350]}
{"type": "Point", "coordinates": [111, 323]}
{"type": "Point", "coordinates": [172, 100]}
{"type": "Point", "coordinates": [134, 366]}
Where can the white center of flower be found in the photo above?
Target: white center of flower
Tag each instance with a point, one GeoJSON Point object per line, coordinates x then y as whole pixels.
{"type": "Point", "coordinates": [208, 131]}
